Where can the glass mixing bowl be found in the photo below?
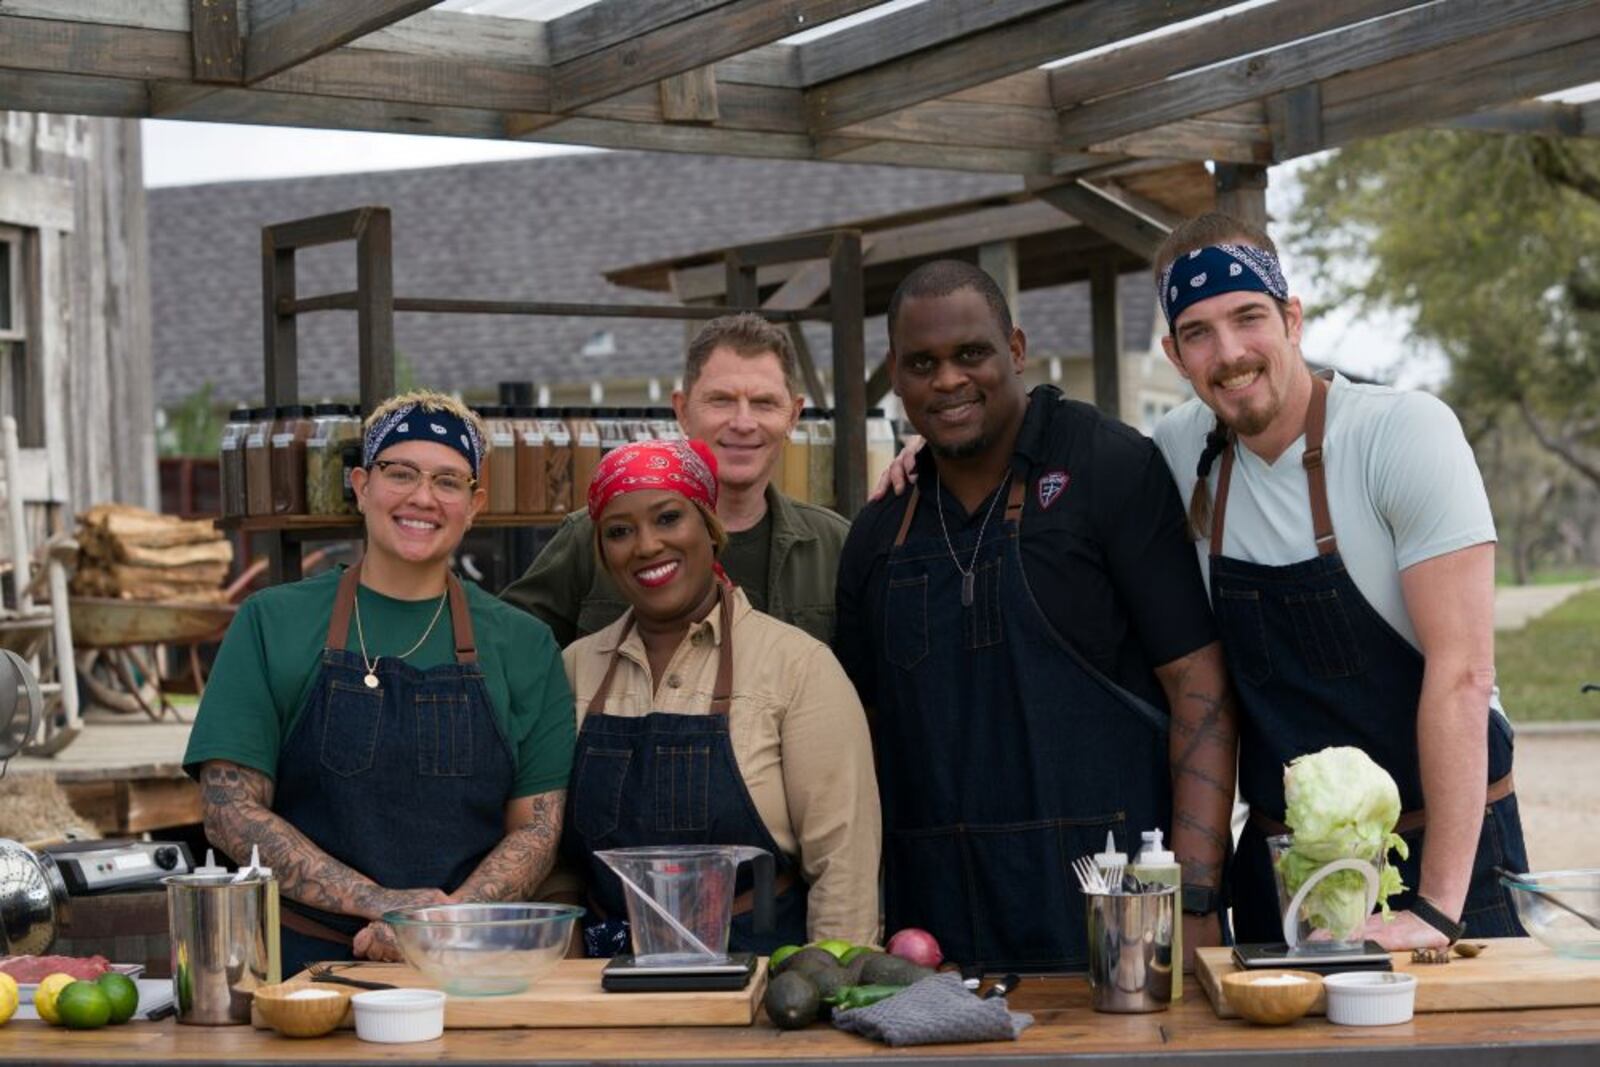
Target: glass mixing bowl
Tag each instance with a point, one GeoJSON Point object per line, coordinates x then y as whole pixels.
{"type": "Point", "coordinates": [1538, 899]}
{"type": "Point", "coordinates": [484, 950]}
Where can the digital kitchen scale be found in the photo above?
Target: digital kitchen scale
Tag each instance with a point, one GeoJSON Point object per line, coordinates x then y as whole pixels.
{"type": "Point", "coordinates": [624, 975]}
{"type": "Point", "coordinates": [1371, 956]}
{"type": "Point", "coordinates": [90, 867]}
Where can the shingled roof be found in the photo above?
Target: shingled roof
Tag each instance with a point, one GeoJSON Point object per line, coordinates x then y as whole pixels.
{"type": "Point", "coordinates": [532, 229]}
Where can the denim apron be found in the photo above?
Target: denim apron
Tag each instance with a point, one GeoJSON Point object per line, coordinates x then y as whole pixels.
{"type": "Point", "coordinates": [1313, 665]}
{"type": "Point", "coordinates": [1003, 755]}
{"type": "Point", "coordinates": [670, 779]}
{"type": "Point", "coordinates": [405, 782]}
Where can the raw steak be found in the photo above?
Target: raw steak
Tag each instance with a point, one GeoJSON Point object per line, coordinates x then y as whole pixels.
{"type": "Point", "coordinates": [28, 969]}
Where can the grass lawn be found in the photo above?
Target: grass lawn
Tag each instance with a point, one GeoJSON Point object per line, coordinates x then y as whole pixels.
{"type": "Point", "coordinates": [1542, 666]}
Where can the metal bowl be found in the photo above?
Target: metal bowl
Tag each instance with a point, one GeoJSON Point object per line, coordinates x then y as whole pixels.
{"type": "Point", "coordinates": [484, 950]}
{"type": "Point", "coordinates": [33, 900]}
{"type": "Point", "coordinates": [1539, 899]}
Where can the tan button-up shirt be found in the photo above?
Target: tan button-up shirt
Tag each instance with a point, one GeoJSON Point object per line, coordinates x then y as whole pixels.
{"type": "Point", "coordinates": [799, 737]}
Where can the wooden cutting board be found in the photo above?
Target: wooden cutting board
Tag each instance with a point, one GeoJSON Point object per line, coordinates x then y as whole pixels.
{"type": "Point", "coordinates": [1513, 972]}
{"type": "Point", "coordinates": [570, 996]}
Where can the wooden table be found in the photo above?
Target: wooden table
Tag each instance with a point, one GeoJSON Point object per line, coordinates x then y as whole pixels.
{"type": "Point", "coordinates": [1066, 1031]}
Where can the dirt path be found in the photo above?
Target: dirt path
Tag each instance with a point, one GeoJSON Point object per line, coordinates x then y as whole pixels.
{"type": "Point", "coordinates": [1558, 789]}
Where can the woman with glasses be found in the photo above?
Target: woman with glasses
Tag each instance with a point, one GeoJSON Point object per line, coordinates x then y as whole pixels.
{"type": "Point", "coordinates": [705, 721]}
{"type": "Point", "coordinates": [388, 735]}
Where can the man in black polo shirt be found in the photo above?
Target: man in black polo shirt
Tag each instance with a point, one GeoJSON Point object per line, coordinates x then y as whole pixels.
{"type": "Point", "coordinates": [1023, 685]}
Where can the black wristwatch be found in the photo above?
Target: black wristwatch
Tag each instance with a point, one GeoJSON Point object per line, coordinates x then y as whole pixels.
{"type": "Point", "coordinates": [1423, 909]}
{"type": "Point", "coordinates": [1200, 900]}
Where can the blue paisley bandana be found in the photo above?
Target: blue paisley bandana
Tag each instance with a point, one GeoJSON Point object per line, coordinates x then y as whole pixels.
{"type": "Point", "coordinates": [1215, 269]}
{"type": "Point", "coordinates": [411, 423]}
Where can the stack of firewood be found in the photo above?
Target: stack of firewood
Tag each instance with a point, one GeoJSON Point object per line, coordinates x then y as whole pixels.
{"type": "Point", "coordinates": [134, 554]}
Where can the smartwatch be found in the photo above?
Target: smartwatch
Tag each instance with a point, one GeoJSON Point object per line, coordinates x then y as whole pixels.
{"type": "Point", "coordinates": [1200, 900]}
{"type": "Point", "coordinates": [1423, 909]}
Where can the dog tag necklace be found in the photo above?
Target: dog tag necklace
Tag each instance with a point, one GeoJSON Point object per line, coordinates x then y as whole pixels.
{"type": "Point", "coordinates": [371, 678]}
{"type": "Point", "coordinates": [968, 582]}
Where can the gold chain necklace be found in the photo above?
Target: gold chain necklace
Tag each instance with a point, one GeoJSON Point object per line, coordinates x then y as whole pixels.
{"type": "Point", "coordinates": [371, 678]}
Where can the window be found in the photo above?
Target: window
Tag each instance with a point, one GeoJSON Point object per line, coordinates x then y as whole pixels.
{"type": "Point", "coordinates": [20, 395]}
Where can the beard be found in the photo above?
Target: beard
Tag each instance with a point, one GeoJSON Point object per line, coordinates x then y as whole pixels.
{"type": "Point", "coordinates": [961, 450]}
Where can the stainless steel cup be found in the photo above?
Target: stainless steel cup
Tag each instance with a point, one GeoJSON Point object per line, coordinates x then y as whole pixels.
{"type": "Point", "coordinates": [219, 945]}
{"type": "Point", "coordinates": [1130, 950]}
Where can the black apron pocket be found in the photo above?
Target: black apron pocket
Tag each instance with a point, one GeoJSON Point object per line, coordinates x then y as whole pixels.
{"type": "Point", "coordinates": [983, 617]}
{"type": "Point", "coordinates": [905, 621]}
{"type": "Point", "coordinates": [683, 773]}
{"type": "Point", "coordinates": [1030, 911]}
{"type": "Point", "coordinates": [1328, 645]}
{"type": "Point", "coordinates": [1244, 634]}
{"type": "Point", "coordinates": [597, 782]}
{"type": "Point", "coordinates": [350, 724]}
{"type": "Point", "coordinates": [444, 735]}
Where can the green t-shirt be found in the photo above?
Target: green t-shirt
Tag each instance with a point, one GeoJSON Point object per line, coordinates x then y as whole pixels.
{"type": "Point", "coordinates": [747, 559]}
{"type": "Point", "coordinates": [273, 651]}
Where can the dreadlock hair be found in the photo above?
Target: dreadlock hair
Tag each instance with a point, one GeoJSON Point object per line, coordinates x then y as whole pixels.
{"type": "Point", "coordinates": [1202, 231]}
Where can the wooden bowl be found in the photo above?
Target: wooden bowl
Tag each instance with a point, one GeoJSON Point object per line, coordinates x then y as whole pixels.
{"type": "Point", "coordinates": [302, 1016]}
{"type": "Point", "coordinates": [1270, 997]}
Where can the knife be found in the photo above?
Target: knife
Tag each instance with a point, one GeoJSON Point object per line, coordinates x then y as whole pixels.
{"type": "Point", "coordinates": [1002, 986]}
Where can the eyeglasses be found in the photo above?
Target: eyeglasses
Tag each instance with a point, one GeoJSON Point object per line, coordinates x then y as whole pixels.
{"type": "Point", "coordinates": [402, 478]}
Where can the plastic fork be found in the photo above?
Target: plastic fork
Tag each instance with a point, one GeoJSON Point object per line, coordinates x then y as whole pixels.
{"type": "Point", "coordinates": [1090, 880]}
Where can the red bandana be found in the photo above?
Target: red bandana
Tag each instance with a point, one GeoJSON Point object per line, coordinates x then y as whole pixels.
{"type": "Point", "coordinates": [685, 467]}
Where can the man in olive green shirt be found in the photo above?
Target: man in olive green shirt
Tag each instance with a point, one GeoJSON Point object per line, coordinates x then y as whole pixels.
{"type": "Point", "coordinates": [741, 395]}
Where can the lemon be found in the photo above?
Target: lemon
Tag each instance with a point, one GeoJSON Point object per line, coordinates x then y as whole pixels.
{"type": "Point", "coordinates": [123, 994]}
{"type": "Point", "coordinates": [83, 1006]}
{"type": "Point", "coordinates": [44, 998]}
{"type": "Point", "coordinates": [836, 946]}
{"type": "Point", "coordinates": [779, 954]}
{"type": "Point", "coordinates": [8, 997]}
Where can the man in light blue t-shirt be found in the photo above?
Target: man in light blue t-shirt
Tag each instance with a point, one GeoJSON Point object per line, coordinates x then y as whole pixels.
{"type": "Point", "coordinates": [1348, 548]}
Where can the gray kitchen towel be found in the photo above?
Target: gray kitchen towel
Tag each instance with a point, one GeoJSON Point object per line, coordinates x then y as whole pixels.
{"type": "Point", "coordinates": [936, 1010]}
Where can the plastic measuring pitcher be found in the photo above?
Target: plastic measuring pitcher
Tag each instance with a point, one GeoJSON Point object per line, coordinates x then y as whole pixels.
{"type": "Point", "coordinates": [680, 899]}
{"type": "Point", "coordinates": [1297, 927]}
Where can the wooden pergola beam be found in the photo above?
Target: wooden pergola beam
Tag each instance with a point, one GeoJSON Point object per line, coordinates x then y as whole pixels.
{"type": "Point", "coordinates": [924, 25]}
{"type": "Point", "coordinates": [1063, 29]}
{"type": "Point", "coordinates": [315, 27]}
{"type": "Point", "coordinates": [722, 30]}
{"type": "Point", "coordinates": [1548, 117]}
{"type": "Point", "coordinates": [1107, 214]}
{"type": "Point", "coordinates": [1369, 44]}
{"type": "Point", "coordinates": [605, 23]}
{"type": "Point", "coordinates": [1254, 30]}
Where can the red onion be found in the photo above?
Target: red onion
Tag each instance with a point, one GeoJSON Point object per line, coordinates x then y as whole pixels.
{"type": "Point", "coordinates": [915, 945]}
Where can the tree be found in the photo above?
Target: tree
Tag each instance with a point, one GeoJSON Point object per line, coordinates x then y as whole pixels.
{"type": "Point", "coordinates": [1492, 244]}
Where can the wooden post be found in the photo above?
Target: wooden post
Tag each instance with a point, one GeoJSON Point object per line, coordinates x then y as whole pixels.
{"type": "Point", "coordinates": [998, 259]}
{"type": "Point", "coordinates": [847, 303]}
{"type": "Point", "coordinates": [1106, 317]}
{"type": "Point", "coordinates": [1242, 192]}
{"type": "Point", "coordinates": [741, 282]}
{"type": "Point", "coordinates": [282, 375]}
{"type": "Point", "coordinates": [375, 309]}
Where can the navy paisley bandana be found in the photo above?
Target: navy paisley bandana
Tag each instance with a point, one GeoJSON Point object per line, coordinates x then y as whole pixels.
{"type": "Point", "coordinates": [411, 423]}
{"type": "Point", "coordinates": [1215, 269]}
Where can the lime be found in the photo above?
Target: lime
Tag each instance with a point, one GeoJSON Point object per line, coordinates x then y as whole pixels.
{"type": "Point", "coordinates": [83, 1006]}
{"type": "Point", "coordinates": [123, 994]}
{"type": "Point", "coordinates": [8, 997]}
{"type": "Point", "coordinates": [857, 950]}
{"type": "Point", "coordinates": [44, 998]}
{"type": "Point", "coordinates": [781, 953]}
{"type": "Point", "coordinates": [835, 946]}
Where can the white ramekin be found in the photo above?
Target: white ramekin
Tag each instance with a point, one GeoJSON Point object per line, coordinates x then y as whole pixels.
{"type": "Point", "coordinates": [397, 1016]}
{"type": "Point", "coordinates": [1370, 998]}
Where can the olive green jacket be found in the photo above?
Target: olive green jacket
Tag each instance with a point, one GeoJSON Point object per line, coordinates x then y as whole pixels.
{"type": "Point", "coordinates": [567, 588]}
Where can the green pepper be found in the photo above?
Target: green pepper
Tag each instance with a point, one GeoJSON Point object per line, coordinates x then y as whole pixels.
{"type": "Point", "coordinates": [860, 996]}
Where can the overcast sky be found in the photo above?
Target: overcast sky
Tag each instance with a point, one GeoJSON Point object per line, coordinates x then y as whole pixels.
{"type": "Point", "coordinates": [187, 153]}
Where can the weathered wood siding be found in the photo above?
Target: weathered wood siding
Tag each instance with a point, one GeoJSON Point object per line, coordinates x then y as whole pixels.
{"type": "Point", "coordinates": [91, 328]}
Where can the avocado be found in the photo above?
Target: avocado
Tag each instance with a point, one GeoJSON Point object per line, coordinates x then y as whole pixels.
{"type": "Point", "coordinates": [792, 1001]}
{"type": "Point", "coordinates": [853, 967]}
{"type": "Point", "coordinates": [808, 960]}
{"type": "Point", "coordinates": [883, 969]}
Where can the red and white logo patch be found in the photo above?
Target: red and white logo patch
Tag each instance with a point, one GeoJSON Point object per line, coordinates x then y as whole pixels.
{"type": "Point", "coordinates": [1051, 485]}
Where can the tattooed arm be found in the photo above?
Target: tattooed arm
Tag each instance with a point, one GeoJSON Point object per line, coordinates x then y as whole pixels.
{"type": "Point", "coordinates": [524, 856]}
{"type": "Point", "coordinates": [236, 803]}
{"type": "Point", "coordinates": [1204, 760]}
